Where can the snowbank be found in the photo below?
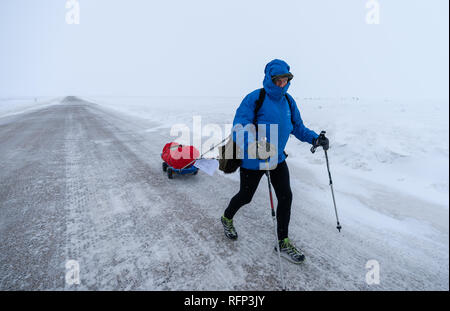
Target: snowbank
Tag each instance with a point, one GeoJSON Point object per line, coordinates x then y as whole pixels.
{"type": "Point", "coordinates": [401, 144]}
{"type": "Point", "coordinates": [11, 106]}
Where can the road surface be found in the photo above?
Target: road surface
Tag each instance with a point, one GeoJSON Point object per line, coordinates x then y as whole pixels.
{"type": "Point", "coordinates": [81, 182]}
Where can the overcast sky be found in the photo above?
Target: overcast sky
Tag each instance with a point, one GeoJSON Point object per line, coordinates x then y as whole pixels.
{"type": "Point", "coordinates": [220, 48]}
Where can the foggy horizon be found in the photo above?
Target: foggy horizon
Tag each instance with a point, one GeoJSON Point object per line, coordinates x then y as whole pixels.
{"type": "Point", "coordinates": [199, 48]}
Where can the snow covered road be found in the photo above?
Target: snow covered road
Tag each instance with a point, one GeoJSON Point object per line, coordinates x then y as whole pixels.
{"type": "Point", "coordinates": [82, 182]}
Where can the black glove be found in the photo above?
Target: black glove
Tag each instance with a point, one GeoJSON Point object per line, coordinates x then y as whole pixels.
{"type": "Point", "coordinates": [322, 141]}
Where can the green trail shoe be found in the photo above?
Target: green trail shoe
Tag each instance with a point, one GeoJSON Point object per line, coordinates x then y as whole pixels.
{"type": "Point", "coordinates": [290, 252]}
{"type": "Point", "coordinates": [228, 227]}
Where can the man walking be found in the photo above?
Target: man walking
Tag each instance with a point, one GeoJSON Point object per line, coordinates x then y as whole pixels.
{"type": "Point", "coordinates": [275, 107]}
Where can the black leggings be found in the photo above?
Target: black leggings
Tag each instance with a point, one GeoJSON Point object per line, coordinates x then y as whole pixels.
{"type": "Point", "coordinates": [281, 184]}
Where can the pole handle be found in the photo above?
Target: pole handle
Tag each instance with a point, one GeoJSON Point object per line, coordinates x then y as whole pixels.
{"type": "Point", "coordinates": [321, 135]}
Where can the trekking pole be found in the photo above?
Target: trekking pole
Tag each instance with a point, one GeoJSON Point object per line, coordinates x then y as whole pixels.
{"type": "Point", "coordinates": [212, 148]}
{"type": "Point", "coordinates": [313, 149]}
{"type": "Point", "coordinates": [275, 227]}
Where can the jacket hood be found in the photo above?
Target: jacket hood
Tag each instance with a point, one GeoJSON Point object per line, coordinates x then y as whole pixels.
{"type": "Point", "coordinates": [274, 68]}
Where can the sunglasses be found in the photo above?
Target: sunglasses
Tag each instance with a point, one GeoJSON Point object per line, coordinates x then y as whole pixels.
{"type": "Point", "coordinates": [284, 77]}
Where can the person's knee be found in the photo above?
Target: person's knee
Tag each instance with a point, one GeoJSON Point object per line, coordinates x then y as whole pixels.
{"type": "Point", "coordinates": [289, 196]}
{"type": "Point", "coordinates": [246, 194]}
{"type": "Point", "coordinates": [246, 199]}
{"type": "Point", "coordinates": [286, 198]}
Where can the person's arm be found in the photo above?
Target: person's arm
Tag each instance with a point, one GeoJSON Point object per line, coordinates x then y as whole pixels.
{"type": "Point", "coordinates": [300, 130]}
{"type": "Point", "coordinates": [243, 121]}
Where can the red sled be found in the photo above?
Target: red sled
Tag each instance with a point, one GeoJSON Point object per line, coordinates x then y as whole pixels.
{"type": "Point", "coordinates": [179, 159]}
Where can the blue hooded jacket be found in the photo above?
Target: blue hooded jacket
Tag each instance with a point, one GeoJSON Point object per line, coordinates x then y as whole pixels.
{"type": "Point", "coordinates": [274, 110]}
